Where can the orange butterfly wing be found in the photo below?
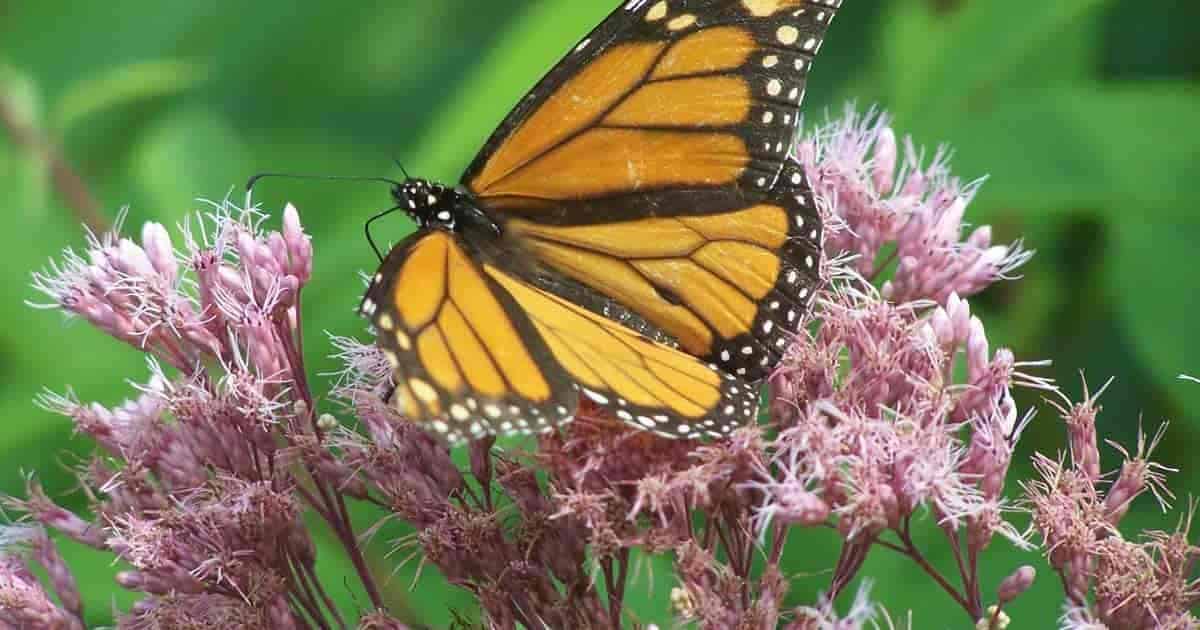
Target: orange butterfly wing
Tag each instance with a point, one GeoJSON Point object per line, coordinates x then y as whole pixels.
{"type": "Point", "coordinates": [651, 166]}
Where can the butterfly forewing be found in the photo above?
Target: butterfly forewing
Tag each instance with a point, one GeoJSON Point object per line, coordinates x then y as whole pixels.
{"type": "Point", "coordinates": [662, 95]}
{"type": "Point", "coordinates": [651, 165]}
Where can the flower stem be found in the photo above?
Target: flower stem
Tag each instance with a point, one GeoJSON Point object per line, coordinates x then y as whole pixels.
{"type": "Point", "coordinates": [974, 592]}
{"type": "Point", "coordinates": [303, 595]}
{"type": "Point", "coordinates": [851, 559]}
{"type": "Point", "coordinates": [966, 573]}
{"type": "Point", "coordinates": [67, 181]}
{"type": "Point", "coordinates": [911, 551]}
{"type": "Point", "coordinates": [346, 533]}
{"type": "Point", "coordinates": [315, 585]}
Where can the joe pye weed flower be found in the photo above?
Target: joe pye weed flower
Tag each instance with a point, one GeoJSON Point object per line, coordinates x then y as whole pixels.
{"type": "Point", "coordinates": [892, 411]}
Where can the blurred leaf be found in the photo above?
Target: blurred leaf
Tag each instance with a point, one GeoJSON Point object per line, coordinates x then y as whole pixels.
{"type": "Point", "coordinates": [910, 43]}
{"type": "Point", "coordinates": [1014, 96]}
{"type": "Point", "coordinates": [35, 349]}
{"type": "Point", "coordinates": [1146, 136]}
{"type": "Point", "coordinates": [933, 60]}
{"type": "Point", "coordinates": [192, 154]}
{"type": "Point", "coordinates": [20, 95]}
{"type": "Point", "coordinates": [1063, 148]}
{"type": "Point", "coordinates": [1158, 297]}
{"type": "Point", "coordinates": [648, 590]}
{"type": "Point", "coordinates": [336, 572]}
{"type": "Point", "coordinates": [409, 582]}
{"type": "Point", "coordinates": [125, 85]}
{"type": "Point", "coordinates": [1160, 42]}
{"type": "Point", "coordinates": [95, 573]}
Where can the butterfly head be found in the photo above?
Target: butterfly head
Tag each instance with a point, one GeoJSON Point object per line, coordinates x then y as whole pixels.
{"type": "Point", "coordinates": [429, 204]}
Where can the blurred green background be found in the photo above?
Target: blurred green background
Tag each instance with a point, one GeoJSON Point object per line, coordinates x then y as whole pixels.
{"type": "Point", "coordinates": [1084, 113]}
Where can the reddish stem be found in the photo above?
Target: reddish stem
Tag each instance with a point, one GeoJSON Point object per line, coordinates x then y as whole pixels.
{"type": "Point", "coordinates": [67, 182]}
{"type": "Point", "coordinates": [911, 551]}
{"type": "Point", "coordinates": [350, 542]}
{"type": "Point", "coordinates": [966, 573]}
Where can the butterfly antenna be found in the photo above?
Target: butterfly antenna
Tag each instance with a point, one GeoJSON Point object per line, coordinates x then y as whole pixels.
{"type": "Point", "coordinates": [345, 178]}
{"type": "Point", "coordinates": [367, 229]}
{"type": "Point", "coordinates": [401, 167]}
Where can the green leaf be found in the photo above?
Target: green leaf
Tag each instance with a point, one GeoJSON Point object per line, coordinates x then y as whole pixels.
{"type": "Point", "coordinates": [934, 61]}
{"type": "Point", "coordinates": [95, 572]}
{"type": "Point", "coordinates": [1064, 148]}
{"type": "Point", "coordinates": [1146, 137]}
{"type": "Point", "coordinates": [909, 46]}
{"type": "Point", "coordinates": [123, 86]}
{"type": "Point", "coordinates": [38, 350]}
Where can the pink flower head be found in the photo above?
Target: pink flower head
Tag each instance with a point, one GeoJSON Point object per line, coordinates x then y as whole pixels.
{"type": "Point", "coordinates": [1139, 474]}
{"type": "Point", "coordinates": [238, 279]}
{"type": "Point", "coordinates": [877, 197]}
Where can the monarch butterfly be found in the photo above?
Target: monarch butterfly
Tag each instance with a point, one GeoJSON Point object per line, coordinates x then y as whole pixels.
{"type": "Point", "coordinates": [634, 232]}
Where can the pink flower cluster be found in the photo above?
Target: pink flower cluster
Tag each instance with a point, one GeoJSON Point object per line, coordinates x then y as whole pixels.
{"type": "Point", "coordinates": [890, 411]}
{"type": "Point", "coordinates": [1109, 580]}
{"type": "Point", "coordinates": [876, 431]}
{"type": "Point", "coordinates": [182, 306]}
{"type": "Point", "coordinates": [198, 484]}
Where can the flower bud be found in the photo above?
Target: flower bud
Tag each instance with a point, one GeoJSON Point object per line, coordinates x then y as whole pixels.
{"type": "Point", "coordinates": [299, 245]}
{"type": "Point", "coordinates": [981, 237]}
{"type": "Point", "coordinates": [326, 422]}
{"type": "Point", "coordinates": [977, 351]}
{"type": "Point", "coordinates": [949, 224]}
{"type": "Point", "coordinates": [1016, 584]}
{"type": "Point", "coordinates": [159, 250]}
{"type": "Point", "coordinates": [481, 459]}
{"type": "Point", "coordinates": [883, 163]}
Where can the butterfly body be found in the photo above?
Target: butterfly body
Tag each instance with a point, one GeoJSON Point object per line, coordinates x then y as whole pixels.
{"type": "Point", "coordinates": [432, 205]}
{"type": "Point", "coordinates": [634, 233]}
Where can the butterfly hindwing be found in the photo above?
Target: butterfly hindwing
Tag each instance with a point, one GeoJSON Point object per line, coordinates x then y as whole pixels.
{"type": "Point", "coordinates": [476, 351]}
{"type": "Point", "coordinates": [729, 286]}
{"type": "Point", "coordinates": [466, 361]}
{"type": "Point", "coordinates": [642, 382]}
{"type": "Point", "coordinates": [651, 165]}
